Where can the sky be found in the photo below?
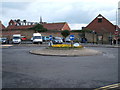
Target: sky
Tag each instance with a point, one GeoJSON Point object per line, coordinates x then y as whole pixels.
{"type": "Point", "coordinates": [119, 14]}
{"type": "Point", "coordinates": [77, 13]}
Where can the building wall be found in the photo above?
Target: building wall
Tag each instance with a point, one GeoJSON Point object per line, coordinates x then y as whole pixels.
{"type": "Point", "coordinates": [9, 33]}
{"type": "Point", "coordinates": [78, 35]}
{"type": "Point", "coordinates": [97, 38]}
{"type": "Point", "coordinates": [66, 27]}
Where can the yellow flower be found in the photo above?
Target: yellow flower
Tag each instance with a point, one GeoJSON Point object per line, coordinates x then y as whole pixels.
{"type": "Point", "coordinates": [66, 45]}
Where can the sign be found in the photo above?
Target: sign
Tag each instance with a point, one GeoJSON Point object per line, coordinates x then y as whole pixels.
{"type": "Point", "coordinates": [72, 37]}
{"type": "Point", "coordinates": [116, 32]}
{"type": "Point", "coordinates": [100, 37]}
{"type": "Point", "coordinates": [50, 37]}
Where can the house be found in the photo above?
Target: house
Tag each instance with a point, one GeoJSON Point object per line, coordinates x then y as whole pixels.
{"type": "Point", "coordinates": [101, 25]}
{"type": "Point", "coordinates": [50, 26]}
{"type": "Point", "coordinates": [102, 28]}
{"type": "Point", "coordinates": [21, 27]}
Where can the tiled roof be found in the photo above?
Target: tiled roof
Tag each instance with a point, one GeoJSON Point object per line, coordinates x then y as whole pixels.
{"type": "Point", "coordinates": [19, 27]}
{"type": "Point", "coordinates": [101, 27]}
{"type": "Point", "coordinates": [54, 26]}
{"type": "Point", "coordinates": [1, 25]}
{"type": "Point", "coordinates": [49, 26]}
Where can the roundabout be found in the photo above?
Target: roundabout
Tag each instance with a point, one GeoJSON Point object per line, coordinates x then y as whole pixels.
{"type": "Point", "coordinates": [65, 52]}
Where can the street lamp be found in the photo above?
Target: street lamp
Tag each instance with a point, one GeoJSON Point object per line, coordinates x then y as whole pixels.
{"type": "Point", "coordinates": [93, 35]}
{"type": "Point", "coordinates": [110, 38]}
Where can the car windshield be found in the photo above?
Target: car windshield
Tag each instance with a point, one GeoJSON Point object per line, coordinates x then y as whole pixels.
{"type": "Point", "coordinates": [58, 38]}
{"type": "Point", "coordinates": [4, 38]}
{"type": "Point", "coordinates": [37, 37]}
{"type": "Point", "coordinates": [23, 37]}
{"type": "Point", "coordinates": [16, 37]}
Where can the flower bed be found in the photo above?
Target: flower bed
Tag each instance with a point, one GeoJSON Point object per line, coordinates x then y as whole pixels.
{"type": "Point", "coordinates": [66, 46]}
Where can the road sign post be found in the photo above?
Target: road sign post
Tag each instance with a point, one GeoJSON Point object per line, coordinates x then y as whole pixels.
{"type": "Point", "coordinates": [50, 38]}
{"type": "Point", "coordinates": [72, 38]}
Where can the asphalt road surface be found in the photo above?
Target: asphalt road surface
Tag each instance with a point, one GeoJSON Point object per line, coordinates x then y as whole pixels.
{"type": "Point", "coordinates": [20, 69]}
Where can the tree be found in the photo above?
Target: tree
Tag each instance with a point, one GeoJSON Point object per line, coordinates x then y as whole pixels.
{"type": "Point", "coordinates": [65, 33]}
{"type": "Point", "coordinates": [39, 28]}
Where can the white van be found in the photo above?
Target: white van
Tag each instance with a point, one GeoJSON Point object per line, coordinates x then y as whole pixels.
{"type": "Point", "coordinates": [37, 38]}
{"type": "Point", "coordinates": [16, 38]}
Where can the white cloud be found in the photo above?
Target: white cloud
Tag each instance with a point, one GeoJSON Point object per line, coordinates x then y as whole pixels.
{"type": "Point", "coordinates": [77, 26]}
{"type": "Point", "coordinates": [75, 12]}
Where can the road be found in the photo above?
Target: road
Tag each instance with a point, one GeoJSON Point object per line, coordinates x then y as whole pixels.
{"type": "Point", "coordinates": [20, 69]}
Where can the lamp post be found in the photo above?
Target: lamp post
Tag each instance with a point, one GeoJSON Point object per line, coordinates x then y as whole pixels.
{"type": "Point", "coordinates": [93, 35]}
{"type": "Point", "coordinates": [110, 38]}
{"type": "Point", "coordinates": [96, 37]}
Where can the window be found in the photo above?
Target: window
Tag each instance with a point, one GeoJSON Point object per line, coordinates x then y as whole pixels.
{"type": "Point", "coordinates": [11, 24]}
{"type": "Point", "coordinates": [99, 20]}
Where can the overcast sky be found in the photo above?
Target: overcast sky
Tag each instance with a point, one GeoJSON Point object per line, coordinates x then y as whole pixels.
{"type": "Point", "coordinates": [76, 13]}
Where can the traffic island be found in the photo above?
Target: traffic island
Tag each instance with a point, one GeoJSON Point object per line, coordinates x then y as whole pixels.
{"type": "Point", "coordinates": [65, 52]}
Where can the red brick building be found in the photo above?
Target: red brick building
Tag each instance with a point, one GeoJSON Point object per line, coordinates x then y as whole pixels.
{"type": "Point", "coordinates": [101, 25]}
{"type": "Point", "coordinates": [1, 27]}
{"type": "Point", "coordinates": [102, 28]}
{"type": "Point", "coordinates": [20, 27]}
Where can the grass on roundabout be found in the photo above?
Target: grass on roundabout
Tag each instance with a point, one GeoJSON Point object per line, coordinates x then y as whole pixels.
{"type": "Point", "coordinates": [65, 46]}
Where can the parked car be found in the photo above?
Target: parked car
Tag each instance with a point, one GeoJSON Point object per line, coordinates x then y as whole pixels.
{"type": "Point", "coordinates": [23, 38]}
{"type": "Point", "coordinates": [67, 39]}
{"type": "Point", "coordinates": [57, 40]}
{"type": "Point", "coordinates": [16, 39]}
{"type": "Point", "coordinates": [37, 38]}
{"type": "Point", "coordinates": [4, 41]}
{"type": "Point", "coordinates": [31, 39]}
{"type": "Point", "coordinates": [45, 38]}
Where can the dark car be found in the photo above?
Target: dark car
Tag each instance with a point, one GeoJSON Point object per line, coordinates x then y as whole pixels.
{"type": "Point", "coordinates": [57, 40]}
{"type": "Point", "coordinates": [4, 41]}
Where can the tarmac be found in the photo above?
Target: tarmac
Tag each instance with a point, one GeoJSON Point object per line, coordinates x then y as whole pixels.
{"type": "Point", "coordinates": [71, 52]}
